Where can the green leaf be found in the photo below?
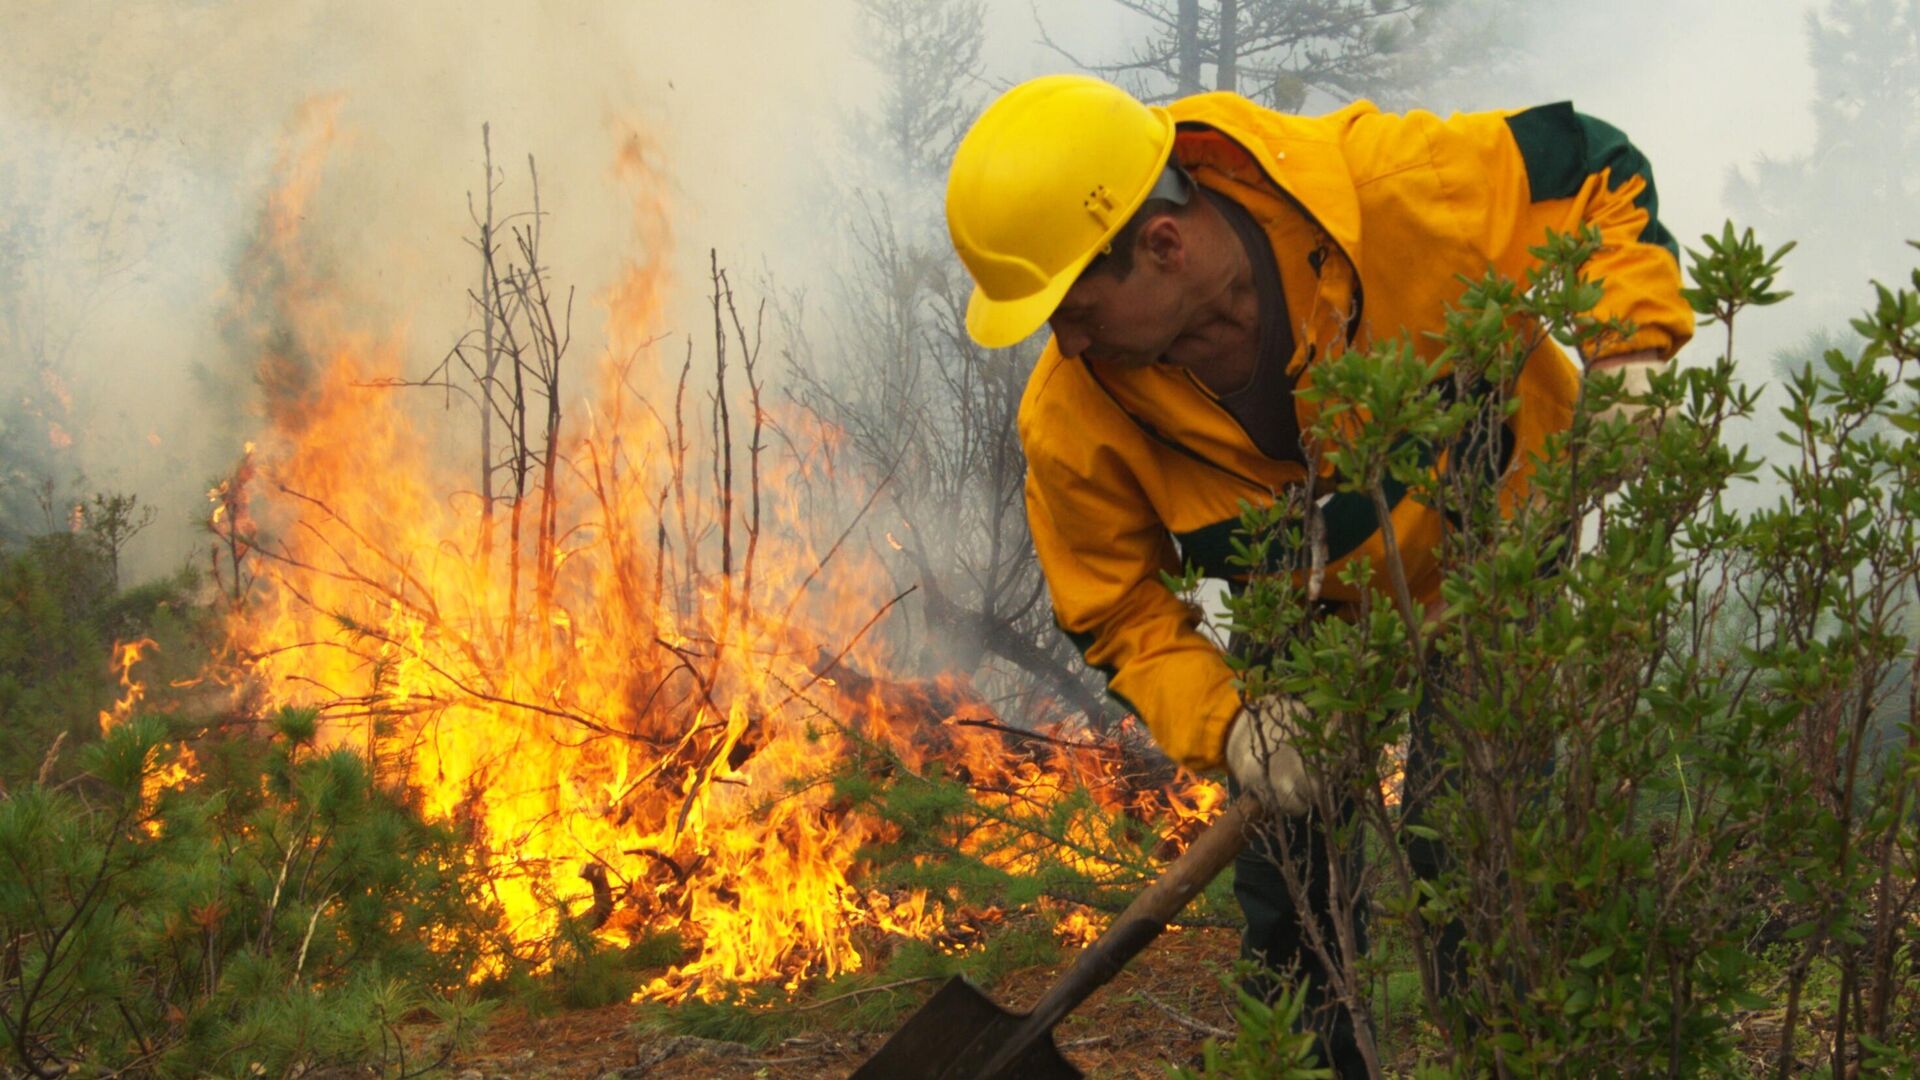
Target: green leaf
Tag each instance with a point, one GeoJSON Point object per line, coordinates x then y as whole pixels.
{"type": "Point", "coordinates": [1594, 957]}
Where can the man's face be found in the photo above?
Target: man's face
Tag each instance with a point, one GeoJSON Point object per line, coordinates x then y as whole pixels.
{"type": "Point", "coordinates": [1120, 323]}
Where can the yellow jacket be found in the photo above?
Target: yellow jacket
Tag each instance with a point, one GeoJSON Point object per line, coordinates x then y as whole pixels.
{"type": "Point", "coordinates": [1373, 218]}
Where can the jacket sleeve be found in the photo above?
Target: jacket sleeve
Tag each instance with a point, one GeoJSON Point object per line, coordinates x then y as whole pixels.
{"type": "Point", "coordinates": [1516, 175]}
{"type": "Point", "coordinates": [1102, 549]}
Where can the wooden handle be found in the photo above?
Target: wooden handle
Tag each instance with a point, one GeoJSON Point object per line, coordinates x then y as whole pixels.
{"type": "Point", "coordinates": [1142, 921]}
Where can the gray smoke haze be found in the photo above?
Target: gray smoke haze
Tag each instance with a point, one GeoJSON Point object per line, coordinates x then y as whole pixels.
{"type": "Point", "coordinates": [163, 121]}
{"type": "Point", "coordinates": [1700, 85]}
{"type": "Point", "coordinates": [137, 141]}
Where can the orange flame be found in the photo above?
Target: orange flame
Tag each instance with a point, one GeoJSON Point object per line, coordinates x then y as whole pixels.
{"type": "Point", "coordinates": [125, 655]}
{"type": "Point", "coordinates": [575, 671]}
{"type": "Point", "coordinates": [167, 775]}
{"type": "Point", "coordinates": [1077, 928]}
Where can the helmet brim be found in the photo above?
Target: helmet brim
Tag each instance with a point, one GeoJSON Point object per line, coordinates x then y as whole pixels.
{"type": "Point", "coordinates": [996, 324]}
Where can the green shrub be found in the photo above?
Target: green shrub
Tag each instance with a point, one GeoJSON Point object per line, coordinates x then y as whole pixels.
{"type": "Point", "coordinates": [60, 616]}
{"type": "Point", "coordinates": [1270, 1043]}
{"type": "Point", "coordinates": [987, 849]}
{"type": "Point", "coordinates": [285, 913]}
{"type": "Point", "coordinates": [1677, 732]}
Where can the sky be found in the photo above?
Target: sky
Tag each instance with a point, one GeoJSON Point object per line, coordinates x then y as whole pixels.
{"type": "Point", "coordinates": [165, 119]}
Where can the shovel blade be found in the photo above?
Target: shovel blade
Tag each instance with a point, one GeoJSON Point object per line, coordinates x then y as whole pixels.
{"type": "Point", "coordinates": [953, 1037]}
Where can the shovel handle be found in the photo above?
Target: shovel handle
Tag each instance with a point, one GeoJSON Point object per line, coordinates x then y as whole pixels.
{"type": "Point", "coordinates": [1142, 921]}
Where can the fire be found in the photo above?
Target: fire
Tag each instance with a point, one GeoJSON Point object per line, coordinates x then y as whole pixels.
{"type": "Point", "coordinates": [1393, 774]}
{"type": "Point", "coordinates": [1077, 928]}
{"type": "Point", "coordinates": [125, 655]}
{"type": "Point", "coordinates": [165, 774]}
{"type": "Point", "coordinates": [632, 674]}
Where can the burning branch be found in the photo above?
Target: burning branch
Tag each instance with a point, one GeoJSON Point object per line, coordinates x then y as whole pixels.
{"type": "Point", "coordinates": [578, 664]}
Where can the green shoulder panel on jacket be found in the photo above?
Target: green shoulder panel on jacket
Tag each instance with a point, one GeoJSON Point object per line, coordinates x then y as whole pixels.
{"type": "Point", "coordinates": [1348, 516]}
{"type": "Point", "coordinates": [1562, 148]}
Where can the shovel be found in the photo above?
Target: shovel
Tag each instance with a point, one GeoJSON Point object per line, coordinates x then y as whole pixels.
{"type": "Point", "coordinates": [960, 1034]}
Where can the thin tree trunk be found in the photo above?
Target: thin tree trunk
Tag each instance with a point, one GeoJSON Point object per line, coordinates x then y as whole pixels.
{"type": "Point", "coordinates": [750, 355]}
{"type": "Point", "coordinates": [489, 356]}
{"type": "Point", "coordinates": [519, 495]}
{"type": "Point", "coordinates": [1885, 938]}
{"type": "Point", "coordinates": [723, 438]}
{"type": "Point", "coordinates": [1227, 64]}
{"type": "Point", "coordinates": [689, 551]}
{"type": "Point", "coordinates": [1187, 52]}
{"type": "Point", "coordinates": [549, 512]}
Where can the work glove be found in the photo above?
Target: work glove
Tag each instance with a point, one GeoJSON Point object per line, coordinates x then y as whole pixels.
{"type": "Point", "coordinates": [1634, 370]}
{"type": "Point", "coordinates": [1261, 755]}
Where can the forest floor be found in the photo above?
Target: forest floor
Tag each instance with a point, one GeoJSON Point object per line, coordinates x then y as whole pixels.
{"type": "Point", "coordinates": [1157, 1012]}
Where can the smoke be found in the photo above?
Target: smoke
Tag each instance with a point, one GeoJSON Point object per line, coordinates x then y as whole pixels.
{"type": "Point", "coordinates": [1701, 87]}
{"type": "Point", "coordinates": [1706, 88]}
{"type": "Point", "coordinates": [138, 143]}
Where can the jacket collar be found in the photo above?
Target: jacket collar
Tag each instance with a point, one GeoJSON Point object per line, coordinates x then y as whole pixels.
{"type": "Point", "coordinates": [1300, 155]}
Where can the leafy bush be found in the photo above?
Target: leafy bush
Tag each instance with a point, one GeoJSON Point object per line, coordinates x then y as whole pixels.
{"type": "Point", "coordinates": [1672, 736]}
{"type": "Point", "coordinates": [285, 913]}
{"type": "Point", "coordinates": [1270, 1044]}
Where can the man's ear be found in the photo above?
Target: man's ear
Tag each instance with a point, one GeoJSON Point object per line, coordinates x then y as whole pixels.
{"type": "Point", "coordinates": [1164, 240]}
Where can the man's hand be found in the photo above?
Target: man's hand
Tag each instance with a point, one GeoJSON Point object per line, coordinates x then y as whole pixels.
{"type": "Point", "coordinates": [1633, 369]}
{"type": "Point", "coordinates": [1261, 756]}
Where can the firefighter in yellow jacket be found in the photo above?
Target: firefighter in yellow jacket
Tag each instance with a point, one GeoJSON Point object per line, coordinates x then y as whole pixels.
{"type": "Point", "coordinates": [1194, 262]}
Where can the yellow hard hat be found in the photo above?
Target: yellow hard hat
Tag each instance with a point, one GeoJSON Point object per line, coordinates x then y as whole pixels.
{"type": "Point", "coordinates": [1041, 182]}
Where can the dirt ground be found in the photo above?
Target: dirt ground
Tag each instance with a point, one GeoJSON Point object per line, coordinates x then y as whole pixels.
{"type": "Point", "coordinates": [1157, 1012]}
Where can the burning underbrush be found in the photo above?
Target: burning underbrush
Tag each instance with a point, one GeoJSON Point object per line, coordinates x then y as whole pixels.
{"type": "Point", "coordinates": [638, 651]}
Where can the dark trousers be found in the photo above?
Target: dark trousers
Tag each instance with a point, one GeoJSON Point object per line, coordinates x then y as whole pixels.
{"type": "Point", "coordinates": [1276, 936]}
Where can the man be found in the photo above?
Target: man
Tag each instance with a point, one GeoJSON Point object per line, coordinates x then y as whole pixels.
{"type": "Point", "coordinates": [1194, 263]}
